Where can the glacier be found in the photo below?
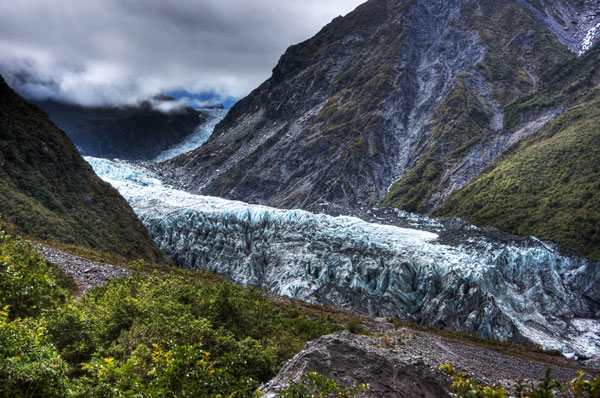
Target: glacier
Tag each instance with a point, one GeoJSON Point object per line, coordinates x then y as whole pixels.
{"type": "Point", "coordinates": [197, 138]}
{"type": "Point", "coordinates": [439, 272]}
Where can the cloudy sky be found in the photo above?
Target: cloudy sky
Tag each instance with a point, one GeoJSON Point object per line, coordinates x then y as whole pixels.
{"type": "Point", "coordinates": [119, 51]}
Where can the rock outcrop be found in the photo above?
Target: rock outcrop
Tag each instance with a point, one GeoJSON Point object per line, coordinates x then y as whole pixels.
{"type": "Point", "coordinates": [404, 363]}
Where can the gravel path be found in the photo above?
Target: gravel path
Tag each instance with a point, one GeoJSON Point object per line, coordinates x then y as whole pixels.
{"type": "Point", "coordinates": [87, 273]}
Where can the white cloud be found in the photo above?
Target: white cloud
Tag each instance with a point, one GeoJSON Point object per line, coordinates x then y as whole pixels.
{"type": "Point", "coordinates": [118, 51]}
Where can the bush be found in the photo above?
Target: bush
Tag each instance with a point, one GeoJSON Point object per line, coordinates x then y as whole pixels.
{"type": "Point", "coordinates": [155, 335]}
{"type": "Point", "coordinates": [546, 387]}
{"type": "Point", "coordinates": [30, 365]}
{"type": "Point", "coordinates": [355, 327]}
{"type": "Point", "coordinates": [315, 385]}
{"type": "Point", "coordinates": [28, 284]}
{"type": "Point", "coordinates": [151, 334]}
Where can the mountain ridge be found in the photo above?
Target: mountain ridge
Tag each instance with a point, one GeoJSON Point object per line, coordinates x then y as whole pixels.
{"type": "Point", "coordinates": [137, 132]}
{"type": "Point", "coordinates": [327, 88]}
{"type": "Point", "coordinates": [50, 193]}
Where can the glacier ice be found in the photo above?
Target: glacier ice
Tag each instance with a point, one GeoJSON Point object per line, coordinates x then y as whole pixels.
{"type": "Point", "coordinates": [443, 273]}
{"type": "Point", "coordinates": [197, 138]}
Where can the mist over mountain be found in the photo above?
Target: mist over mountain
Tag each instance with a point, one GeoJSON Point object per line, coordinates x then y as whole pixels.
{"type": "Point", "coordinates": [126, 132]}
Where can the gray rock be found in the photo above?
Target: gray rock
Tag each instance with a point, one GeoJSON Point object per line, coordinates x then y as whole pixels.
{"type": "Point", "coordinates": [351, 360]}
{"type": "Point", "coordinates": [87, 273]}
{"type": "Point", "coordinates": [404, 363]}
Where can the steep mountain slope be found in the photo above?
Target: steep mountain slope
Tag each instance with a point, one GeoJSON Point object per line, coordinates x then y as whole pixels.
{"type": "Point", "coordinates": [548, 184]}
{"type": "Point", "coordinates": [49, 192]}
{"type": "Point", "coordinates": [128, 132]}
{"type": "Point", "coordinates": [406, 91]}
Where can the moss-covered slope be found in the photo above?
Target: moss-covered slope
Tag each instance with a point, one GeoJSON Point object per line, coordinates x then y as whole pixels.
{"type": "Point", "coordinates": [48, 192]}
{"type": "Point", "coordinates": [547, 186]}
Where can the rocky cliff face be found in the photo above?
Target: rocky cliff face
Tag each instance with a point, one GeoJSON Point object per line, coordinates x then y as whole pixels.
{"type": "Point", "coordinates": [404, 92]}
{"type": "Point", "coordinates": [47, 191]}
{"type": "Point", "coordinates": [546, 184]}
{"type": "Point", "coordinates": [129, 132]}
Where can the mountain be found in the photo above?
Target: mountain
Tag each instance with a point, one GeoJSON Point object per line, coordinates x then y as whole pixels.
{"type": "Point", "coordinates": [129, 132]}
{"type": "Point", "coordinates": [400, 103]}
{"type": "Point", "coordinates": [548, 184]}
{"type": "Point", "coordinates": [50, 193]}
{"type": "Point", "coordinates": [404, 92]}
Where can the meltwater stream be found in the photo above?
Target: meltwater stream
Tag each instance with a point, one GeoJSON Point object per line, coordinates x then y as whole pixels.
{"type": "Point", "coordinates": [517, 289]}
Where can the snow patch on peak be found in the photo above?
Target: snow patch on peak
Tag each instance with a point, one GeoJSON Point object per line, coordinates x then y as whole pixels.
{"type": "Point", "coordinates": [589, 39]}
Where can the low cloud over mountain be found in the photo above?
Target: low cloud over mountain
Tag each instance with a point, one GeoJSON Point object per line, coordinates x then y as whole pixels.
{"type": "Point", "coordinates": [114, 52]}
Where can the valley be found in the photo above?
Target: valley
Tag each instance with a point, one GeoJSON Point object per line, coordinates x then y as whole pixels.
{"type": "Point", "coordinates": [414, 191]}
{"type": "Point", "coordinates": [438, 272]}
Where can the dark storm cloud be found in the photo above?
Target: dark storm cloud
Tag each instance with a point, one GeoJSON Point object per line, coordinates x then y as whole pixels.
{"type": "Point", "coordinates": [118, 51]}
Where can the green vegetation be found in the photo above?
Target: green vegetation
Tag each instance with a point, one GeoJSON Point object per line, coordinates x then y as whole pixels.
{"type": "Point", "coordinates": [562, 85]}
{"type": "Point", "coordinates": [459, 122]}
{"type": "Point", "coordinates": [152, 334]}
{"type": "Point", "coordinates": [314, 385]}
{"type": "Point", "coordinates": [515, 42]}
{"type": "Point", "coordinates": [355, 327]}
{"type": "Point", "coordinates": [547, 387]}
{"type": "Point", "coordinates": [48, 192]}
{"type": "Point", "coordinates": [546, 185]}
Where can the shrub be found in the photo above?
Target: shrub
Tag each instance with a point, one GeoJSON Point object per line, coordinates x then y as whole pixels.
{"type": "Point", "coordinates": [546, 387]}
{"type": "Point", "coordinates": [315, 385]}
{"type": "Point", "coordinates": [30, 365]}
{"type": "Point", "coordinates": [28, 284]}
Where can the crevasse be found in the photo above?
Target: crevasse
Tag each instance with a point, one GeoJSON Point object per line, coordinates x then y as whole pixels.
{"type": "Point", "coordinates": [522, 290]}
